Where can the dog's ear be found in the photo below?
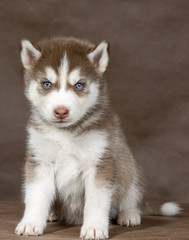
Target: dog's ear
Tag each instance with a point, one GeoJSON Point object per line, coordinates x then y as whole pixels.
{"type": "Point", "coordinates": [29, 54]}
{"type": "Point", "coordinates": [99, 57]}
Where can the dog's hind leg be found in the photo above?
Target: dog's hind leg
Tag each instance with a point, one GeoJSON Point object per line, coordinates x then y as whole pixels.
{"type": "Point", "coordinates": [129, 209]}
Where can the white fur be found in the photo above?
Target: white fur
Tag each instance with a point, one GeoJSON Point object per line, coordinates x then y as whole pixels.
{"type": "Point", "coordinates": [74, 76]}
{"type": "Point", "coordinates": [97, 207]}
{"type": "Point", "coordinates": [38, 197]}
{"type": "Point", "coordinates": [32, 93]}
{"type": "Point", "coordinates": [63, 71]}
{"type": "Point", "coordinates": [103, 61]}
{"type": "Point", "coordinates": [170, 209]}
{"type": "Point", "coordinates": [64, 161]}
{"type": "Point", "coordinates": [77, 105]}
{"type": "Point", "coordinates": [130, 217]}
{"type": "Point", "coordinates": [25, 57]}
{"type": "Point", "coordinates": [51, 75]}
{"type": "Point", "coordinates": [55, 144]}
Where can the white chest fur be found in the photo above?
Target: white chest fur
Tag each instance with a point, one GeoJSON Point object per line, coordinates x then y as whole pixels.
{"type": "Point", "coordinates": [67, 154]}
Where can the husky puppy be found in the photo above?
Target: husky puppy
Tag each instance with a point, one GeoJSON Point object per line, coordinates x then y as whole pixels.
{"type": "Point", "coordinates": [78, 165]}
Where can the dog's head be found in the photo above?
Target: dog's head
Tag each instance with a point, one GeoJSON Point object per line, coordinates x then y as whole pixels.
{"type": "Point", "coordinates": [63, 78]}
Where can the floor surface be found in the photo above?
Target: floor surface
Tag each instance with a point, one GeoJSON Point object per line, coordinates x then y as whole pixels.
{"type": "Point", "coordinates": [154, 227]}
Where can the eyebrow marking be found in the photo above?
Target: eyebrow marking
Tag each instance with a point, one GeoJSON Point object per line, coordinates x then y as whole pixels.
{"type": "Point", "coordinates": [74, 76]}
{"type": "Point", "coordinates": [51, 75]}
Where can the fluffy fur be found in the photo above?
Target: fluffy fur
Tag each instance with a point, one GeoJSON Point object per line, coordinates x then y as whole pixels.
{"type": "Point", "coordinates": [170, 209]}
{"type": "Point", "coordinates": [78, 168]}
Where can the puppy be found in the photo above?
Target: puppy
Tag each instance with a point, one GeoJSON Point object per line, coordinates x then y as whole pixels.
{"type": "Point", "coordinates": [78, 167]}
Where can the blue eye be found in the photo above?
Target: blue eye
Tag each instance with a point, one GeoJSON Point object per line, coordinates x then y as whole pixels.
{"type": "Point", "coordinates": [47, 84]}
{"type": "Point", "coordinates": [79, 85]}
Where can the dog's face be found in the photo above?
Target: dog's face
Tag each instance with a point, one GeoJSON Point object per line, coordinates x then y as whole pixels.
{"type": "Point", "coordinates": [63, 78]}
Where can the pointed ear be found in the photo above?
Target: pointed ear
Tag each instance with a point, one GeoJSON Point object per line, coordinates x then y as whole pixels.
{"type": "Point", "coordinates": [99, 57]}
{"type": "Point", "coordinates": [29, 54]}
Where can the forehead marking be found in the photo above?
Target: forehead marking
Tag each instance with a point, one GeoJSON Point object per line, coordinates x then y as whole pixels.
{"type": "Point", "coordinates": [50, 74]}
{"type": "Point", "coordinates": [74, 76]}
{"type": "Point", "coordinates": [63, 71]}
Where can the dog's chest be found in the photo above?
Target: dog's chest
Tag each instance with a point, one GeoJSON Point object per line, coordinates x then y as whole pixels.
{"type": "Point", "coordinates": [68, 155]}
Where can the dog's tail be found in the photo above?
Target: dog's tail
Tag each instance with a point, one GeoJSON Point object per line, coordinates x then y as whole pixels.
{"type": "Point", "coordinates": [160, 208]}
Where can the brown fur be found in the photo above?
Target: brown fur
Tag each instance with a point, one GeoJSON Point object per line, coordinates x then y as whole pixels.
{"type": "Point", "coordinates": [118, 167]}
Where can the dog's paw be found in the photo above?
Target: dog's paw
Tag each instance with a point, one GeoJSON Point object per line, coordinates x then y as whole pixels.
{"type": "Point", "coordinates": [129, 218]}
{"type": "Point", "coordinates": [29, 229]}
{"type": "Point", "coordinates": [52, 217]}
{"type": "Point", "coordinates": [97, 233]}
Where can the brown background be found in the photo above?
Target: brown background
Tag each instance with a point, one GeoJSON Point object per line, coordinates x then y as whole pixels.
{"type": "Point", "coordinates": [148, 80]}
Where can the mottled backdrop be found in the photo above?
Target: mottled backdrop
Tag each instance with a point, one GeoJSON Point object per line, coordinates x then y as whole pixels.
{"type": "Point", "coordinates": [148, 80]}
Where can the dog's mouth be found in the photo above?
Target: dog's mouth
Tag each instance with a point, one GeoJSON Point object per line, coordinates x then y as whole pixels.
{"type": "Point", "coordinates": [60, 121]}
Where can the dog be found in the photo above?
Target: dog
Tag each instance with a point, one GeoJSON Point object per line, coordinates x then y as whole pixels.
{"type": "Point", "coordinates": [78, 167]}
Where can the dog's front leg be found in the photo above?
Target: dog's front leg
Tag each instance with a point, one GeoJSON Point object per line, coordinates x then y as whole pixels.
{"type": "Point", "coordinates": [97, 207]}
{"type": "Point", "coordinates": [39, 193]}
